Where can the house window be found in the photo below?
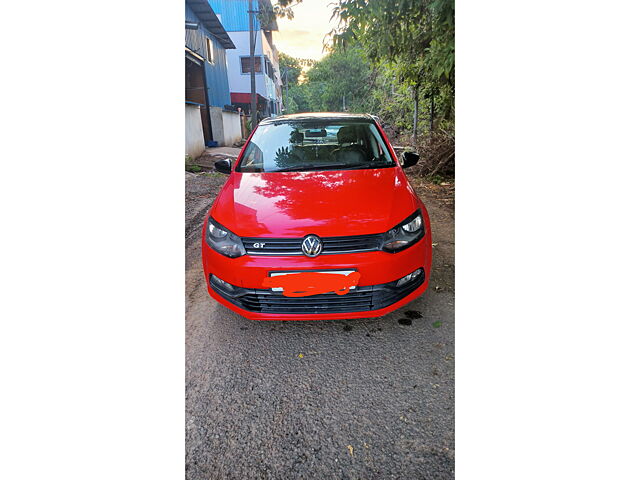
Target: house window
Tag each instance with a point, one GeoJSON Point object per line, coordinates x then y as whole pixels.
{"type": "Point", "coordinates": [269, 69]}
{"type": "Point", "coordinates": [246, 64]}
{"type": "Point", "coordinates": [209, 50]}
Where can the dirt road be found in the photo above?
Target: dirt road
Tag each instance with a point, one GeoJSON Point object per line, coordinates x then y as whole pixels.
{"type": "Point", "coordinates": [356, 399]}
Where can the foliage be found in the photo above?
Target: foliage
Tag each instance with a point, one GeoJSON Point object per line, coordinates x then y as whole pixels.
{"type": "Point", "coordinates": [290, 104]}
{"type": "Point", "coordinates": [384, 56]}
{"type": "Point", "coordinates": [280, 9]}
{"type": "Point", "coordinates": [248, 124]}
{"type": "Point", "coordinates": [290, 67]}
{"type": "Point", "coordinates": [299, 95]}
{"type": "Point", "coordinates": [417, 35]}
{"type": "Point", "coordinates": [437, 153]}
{"type": "Point", "coordinates": [415, 38]}
{"type": "Point", "coordinates": [341, 79]}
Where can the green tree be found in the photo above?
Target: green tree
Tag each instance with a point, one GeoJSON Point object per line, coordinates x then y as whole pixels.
{"type": "Point", "coordinates": [342, 80]}
{"type": "Point", "coordinates": [299, 95]}
{"type": "Point", "coordinates": [290, 68]}
{"type": "Point", "coordinates": [415, 36]}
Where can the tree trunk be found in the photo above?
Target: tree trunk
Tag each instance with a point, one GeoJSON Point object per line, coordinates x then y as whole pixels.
{"type": "Point", "coordinates": [415, 114]}
{"type": "Point", "coordinates": [431, 116]}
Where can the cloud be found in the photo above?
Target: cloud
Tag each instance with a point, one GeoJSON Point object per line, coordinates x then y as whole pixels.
{"type": "Point", "coordinates": [304, 35]}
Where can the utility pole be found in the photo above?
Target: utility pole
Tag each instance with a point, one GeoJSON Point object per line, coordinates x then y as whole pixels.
{"type": "Point", "coordinates": [286, 96]}
{"type": "Point", "coordinates": [252, 51]}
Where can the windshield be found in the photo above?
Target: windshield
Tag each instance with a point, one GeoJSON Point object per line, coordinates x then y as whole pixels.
{"type": "Point", "coordinates": [305, 146]}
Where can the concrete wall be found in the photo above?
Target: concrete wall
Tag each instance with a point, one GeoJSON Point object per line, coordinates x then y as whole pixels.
{"type": "Point", "coordinates": [226, 127]}
{"type": "Point", "coordinates": [194, 137]}
{"type": "Point", "coordinates": [217, 127]}
{"type": "Point", "coordinates": [232, 128]}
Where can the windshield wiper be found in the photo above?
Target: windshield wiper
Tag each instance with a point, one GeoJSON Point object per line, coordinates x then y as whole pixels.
{"type": "Point", "coordinates": [380, 163]}
{"type": "Point", "coordinates": [311, 166]}
{"type": "Point", "coordinates": [336, 166]}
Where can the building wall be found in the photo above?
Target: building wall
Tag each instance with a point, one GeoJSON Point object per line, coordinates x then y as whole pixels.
{"type": "Point", "coordinates": [216, 72]}
{"type": "Point", "coordinates": [194, 138]}
{"type": "Point", "coordinates": [232, 127]}
{"type": "Point", "coordinates": [272, 55]}
{"type": "Point", "coordinates": [217, 79]}
{"type": "Point", "coordinates": [226, 125]}
{"type": "Point", "coordinates": [241, 82]}
{"type": "Point", "coordinates": [217, 127]}
{"type": "Point", "coordinates": [235, 19]}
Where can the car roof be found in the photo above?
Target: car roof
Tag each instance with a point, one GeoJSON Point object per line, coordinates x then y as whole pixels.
{"type": "Point", "coordinates": [311, 116]}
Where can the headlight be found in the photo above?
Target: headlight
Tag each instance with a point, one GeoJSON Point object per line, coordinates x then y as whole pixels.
{"type": "Point", "coordinates": [404, 234]}
{"type": "Point", "coordinates": [414, 225]}
{"type": "Point", "coordinates": [223, 241]}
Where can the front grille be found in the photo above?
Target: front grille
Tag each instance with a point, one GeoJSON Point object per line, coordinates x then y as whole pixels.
{"type": "Point", "coordinates": [273, 246]}
{"type": "Point", "coordinates": [373, 297]}
{"type": "Point", "coordinates": [275, 302]}
{"type": "Point", "coordinates": [330, 245]}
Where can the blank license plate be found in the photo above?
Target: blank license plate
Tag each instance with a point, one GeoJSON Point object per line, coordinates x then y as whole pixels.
{"type": "Point", "coordinates": [337, 272]}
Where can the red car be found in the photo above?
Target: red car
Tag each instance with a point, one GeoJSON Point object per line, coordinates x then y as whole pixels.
{"type": "Point", "coordinates": [317, 221]}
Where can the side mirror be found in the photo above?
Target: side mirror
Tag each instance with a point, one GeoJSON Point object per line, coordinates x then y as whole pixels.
{"type": "Point", "coordinates": [409, 159]}
{"type": "Point", "coordinates": [223, 166]}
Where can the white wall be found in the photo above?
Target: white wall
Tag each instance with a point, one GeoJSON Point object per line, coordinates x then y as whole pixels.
{"type": "Point", "coordinates": [239, 82]}
{"type": "Point", "coordinates": [194, 137]}
{"type": "Point", "coordinates": [225, 127]}
{"type": "Point", "coordinates": [272, 55]}
{"type": "Point", "coordinates": [232, 128]}
{"type": "Point", "coordinates": [217, 127]}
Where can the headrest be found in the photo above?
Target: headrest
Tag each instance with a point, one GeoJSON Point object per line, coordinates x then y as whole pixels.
{"type": "Point", "coordinates": [347, 135]}
{"type": "Point", "coordinates": [296, 137]}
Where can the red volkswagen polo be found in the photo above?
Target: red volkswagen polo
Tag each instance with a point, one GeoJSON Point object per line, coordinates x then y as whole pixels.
{"type": "Point", "coordinates": [317, 221]}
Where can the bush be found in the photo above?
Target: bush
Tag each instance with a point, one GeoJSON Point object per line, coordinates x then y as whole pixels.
{"type": "Point", "coordinates": [438, 152]}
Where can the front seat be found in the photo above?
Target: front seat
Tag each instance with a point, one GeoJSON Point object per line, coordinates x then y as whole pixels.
{"type": "Point", "coordinates": [349, 151]}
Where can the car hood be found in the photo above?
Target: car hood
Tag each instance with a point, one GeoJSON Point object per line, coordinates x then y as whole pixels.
{"type": "Point", "coordinates": [325, 203]}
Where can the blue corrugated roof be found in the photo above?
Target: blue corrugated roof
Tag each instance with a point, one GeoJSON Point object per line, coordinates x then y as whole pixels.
{"type": "Point", "coordinates": [235, 14]}
{"type": "Point", "coordinates": [215, 71]}
{"type": "Point", "coordinates": [208, 18]}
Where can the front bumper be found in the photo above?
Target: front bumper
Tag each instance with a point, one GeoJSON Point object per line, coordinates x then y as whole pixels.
{"type": "Point", "coordinates": [376, 294]}
{"type": "Point", "coordinates": [360, 300]}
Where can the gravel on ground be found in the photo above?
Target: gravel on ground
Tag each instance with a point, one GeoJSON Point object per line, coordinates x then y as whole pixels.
{"type": "Point", "coordinates": [352, 399]}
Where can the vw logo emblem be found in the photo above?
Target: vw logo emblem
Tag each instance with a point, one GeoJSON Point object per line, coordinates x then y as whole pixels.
{"type": "Point", "coordinates": [311, 246]}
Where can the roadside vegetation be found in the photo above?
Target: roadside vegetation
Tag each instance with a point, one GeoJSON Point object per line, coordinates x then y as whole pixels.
{"type": "Point", "coordinates": [190, 165]}
{"type": "Point", "coordinates": [393, 59]}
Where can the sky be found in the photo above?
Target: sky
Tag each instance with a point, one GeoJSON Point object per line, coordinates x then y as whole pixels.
{"type": "Point", "coordinates": [303, 36]}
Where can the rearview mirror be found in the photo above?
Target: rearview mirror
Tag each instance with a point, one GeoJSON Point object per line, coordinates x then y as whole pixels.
{"type": "Point", "coordinates": [223, 166]}
{"type": "Point", "coordinates": [409, 159]}
{"type": "Point", "coordinates": [315, 133]}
